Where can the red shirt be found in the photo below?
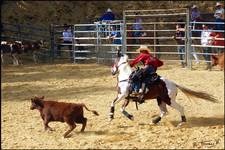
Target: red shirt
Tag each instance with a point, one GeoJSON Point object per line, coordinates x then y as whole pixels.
{"type": "Point", "coordinates": [217, 42]}
{"type": "Point", "coordinates": [147, 59]}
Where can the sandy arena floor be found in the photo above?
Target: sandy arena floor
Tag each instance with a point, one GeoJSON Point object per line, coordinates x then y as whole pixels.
{"type": "Point", "coordinates": [94, 85]}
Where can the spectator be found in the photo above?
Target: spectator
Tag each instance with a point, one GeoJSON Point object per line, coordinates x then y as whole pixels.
{"type": "Point", "coordinates": [195, 15]}
{"type": "Point", "coordinates": [108, 16]}
{"type": "Point", "coordinates": [115, 36]}
{"type": "Point", "coordinates": [137, 26]}
{"type": "Point", "coordinates": [205, 41]}
{"type": "Point", "coordinates": [179, 37]}
{"type": "Point", "coordinates": [67, 39]}
{"type": "Point", "coordinates": [219, 15]}
{"type": "Point", "coordinates": [217, 41]}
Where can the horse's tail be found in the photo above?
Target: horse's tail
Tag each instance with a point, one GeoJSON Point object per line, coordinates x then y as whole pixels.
{"type": "Point", "coordinates": [197, 94]}
{"type": "Point", "coordinates": [93, 111]}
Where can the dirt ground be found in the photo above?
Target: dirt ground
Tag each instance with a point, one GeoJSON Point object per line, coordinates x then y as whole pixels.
{"type": "Point", "coordinates": [93, 84]}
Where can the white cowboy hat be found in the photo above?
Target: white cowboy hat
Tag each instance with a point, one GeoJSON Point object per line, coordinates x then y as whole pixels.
{"type": "Point", "coordinates": [143, 48]}
{"type": "Point", "coordinates": [194, 6]}
{"type": "Point", "coordinates": [218, 4]}
{"type": "Point", "coordinates": [109, 10]}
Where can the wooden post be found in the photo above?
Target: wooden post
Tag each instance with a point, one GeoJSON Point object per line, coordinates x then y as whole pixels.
{"type": "Point", "coordinates": [52, 39]}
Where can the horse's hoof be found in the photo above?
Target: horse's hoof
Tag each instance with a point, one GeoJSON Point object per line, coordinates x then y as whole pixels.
{"type": "Point", "coordinates": [156, 120]}
{"type": "Point", "coordinates": [110, 119]}
{"type": "Point", "coordinates": [181, 124]}
{"type": "Point", "coordinates": [132, 118]}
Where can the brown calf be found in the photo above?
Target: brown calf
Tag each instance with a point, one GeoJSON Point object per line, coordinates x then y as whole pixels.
{"type": "Point", "coordinates": [218, 60]}
{"type": "Point", "coordinates": [59, 111]}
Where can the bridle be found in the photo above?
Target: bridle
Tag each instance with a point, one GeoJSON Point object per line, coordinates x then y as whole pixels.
{"type": "Point", "coordinates": [117, 68]}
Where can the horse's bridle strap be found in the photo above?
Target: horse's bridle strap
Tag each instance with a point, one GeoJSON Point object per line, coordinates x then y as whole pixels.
{"type": "Point", "coordinates": [121, 64]}
{"type": "Point", "coordinates": [124, 80]}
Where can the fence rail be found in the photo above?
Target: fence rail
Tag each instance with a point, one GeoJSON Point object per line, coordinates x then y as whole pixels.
{"type": "Point", "coordinates": [95, 42]}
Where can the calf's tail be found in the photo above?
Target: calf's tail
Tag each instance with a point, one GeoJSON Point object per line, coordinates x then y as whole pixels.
{"type": "Point", "coordinates": [93, 111]}
{"type": "Point", "coordinates": [197, 94]}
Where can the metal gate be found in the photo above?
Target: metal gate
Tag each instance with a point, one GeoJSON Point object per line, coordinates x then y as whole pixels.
{"type": "Point", "coordinates": [91, 42]}
{"type": "Point", "coordinates": [158, 27]}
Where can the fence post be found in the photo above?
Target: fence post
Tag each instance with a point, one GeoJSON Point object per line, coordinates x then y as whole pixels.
{"type": "Point", "coordinates": [52, 38]}
{"type": "Point", "coordinates": [97, 41]}
{"type": "Point", "coordinates": [154, 28]}
{"type": "Point", "coordinates": [73, 44]}
{"type": "Point", "coordinates": [188, 38]}
{"type": "Point", "coordinates": [124, 39]}
{"type": "Point", "coordinates": [19, 33]}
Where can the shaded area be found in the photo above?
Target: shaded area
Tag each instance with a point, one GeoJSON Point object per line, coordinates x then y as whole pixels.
{"type": "Point", "coordinates": [30, 74]}
{"type": "Point", "coordinates": [202, 121]}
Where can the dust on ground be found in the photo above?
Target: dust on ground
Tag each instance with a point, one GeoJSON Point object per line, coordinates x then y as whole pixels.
{"type": "Point", "coordinates": [93, 85]}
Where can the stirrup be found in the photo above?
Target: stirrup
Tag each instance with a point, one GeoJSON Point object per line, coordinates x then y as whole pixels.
{"type": "Point", "coordinates": [141, 99]}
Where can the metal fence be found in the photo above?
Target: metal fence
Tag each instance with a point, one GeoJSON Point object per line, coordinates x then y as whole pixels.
{"type": "Point", "coordinates": [158, 28]}
{"type": "Point", "coordinates": [21, 32]}
{"type": "Point", "coordinates": [25, 32]}
{"type": "Point", "coordinates": [198, 51]}
{"type": "Point", "coordinates": [92, 42]}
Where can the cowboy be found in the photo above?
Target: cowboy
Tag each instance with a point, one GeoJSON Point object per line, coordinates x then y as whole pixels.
{"type": "Point", "coordinates": [149, 70]}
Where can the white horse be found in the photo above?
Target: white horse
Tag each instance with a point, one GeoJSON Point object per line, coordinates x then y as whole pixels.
{"type": "Point", "coordinates": [165, 93]}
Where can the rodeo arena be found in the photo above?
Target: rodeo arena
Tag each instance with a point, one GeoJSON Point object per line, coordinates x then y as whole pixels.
{"type": "Point", "coordinates": [147, 88]}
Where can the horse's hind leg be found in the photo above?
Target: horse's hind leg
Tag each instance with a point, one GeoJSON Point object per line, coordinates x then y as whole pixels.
{"type": "Point", "coordinates": [163, 111]}
{"type": "Point", "coordinates": [179, 108]}
{"type": "Point", "coordinates": [129, 116]}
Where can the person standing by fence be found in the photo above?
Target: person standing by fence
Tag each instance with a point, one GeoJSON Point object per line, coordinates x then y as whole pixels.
{"type": "Point", "coordinates": [106, 18]}
{"type": "Point", "coordinates": [219, 15]}
{"type": "Point", "coordinates": [67, 40]}
{"type": "Point", "coordinates": [137, 26]}
{"type": "Point", "coordinates": [179, 37]}
{"type": "Point", "coordinates": [195, 16]}
{"type": "Point", "coordinates": [217, 41]}
{"type": "Point", "coordinates": [205, 41]}
{"type": "Point", "coordinates": [115, 37]}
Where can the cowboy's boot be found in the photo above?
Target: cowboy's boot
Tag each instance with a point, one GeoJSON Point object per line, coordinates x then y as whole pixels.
{"type": "Point", "coordinates": [141, 97]}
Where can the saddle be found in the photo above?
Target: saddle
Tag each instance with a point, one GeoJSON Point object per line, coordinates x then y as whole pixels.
{"type": "Point", "coordinates": [137, 77]}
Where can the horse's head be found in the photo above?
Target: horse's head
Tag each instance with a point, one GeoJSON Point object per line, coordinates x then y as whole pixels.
{"type": "Point", "coordinates": [118, 62]}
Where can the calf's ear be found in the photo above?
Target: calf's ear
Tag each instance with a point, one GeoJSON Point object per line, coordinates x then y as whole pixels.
{"type": "Point", "coordinates": [39, 102]}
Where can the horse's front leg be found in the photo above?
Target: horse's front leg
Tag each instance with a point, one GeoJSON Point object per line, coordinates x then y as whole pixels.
{"type": "Point", "coordinates": [129, 116]}
{"type": "Point", "coordinates": [112, 107]}
{"type": "Point", "coordinates": [14, 59]}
